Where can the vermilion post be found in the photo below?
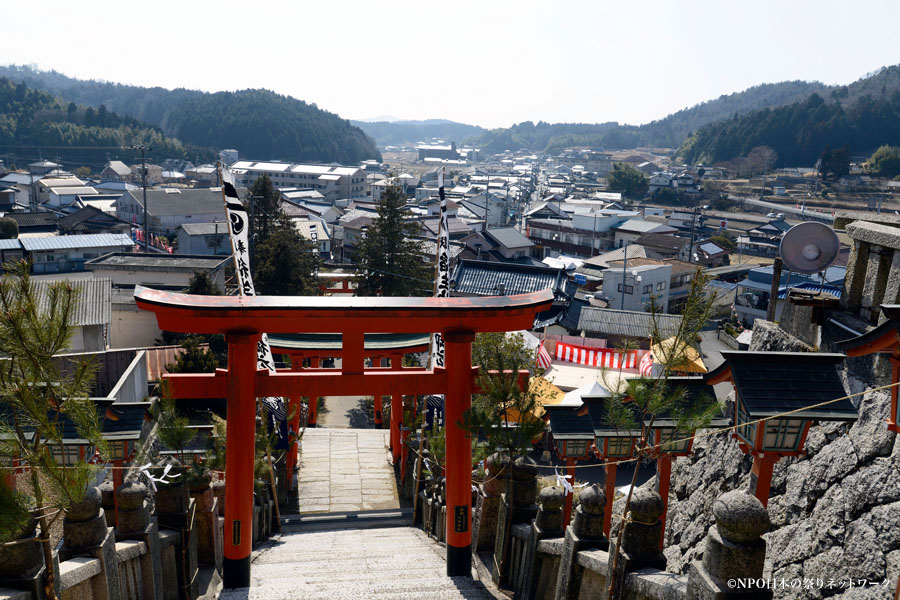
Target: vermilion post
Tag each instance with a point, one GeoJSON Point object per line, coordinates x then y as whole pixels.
{"type": "Point", "coordinates": [313, 400]}
{"type": "Point", "coordinates": [611, 468]}
{"type": "Point", "coordinates": [567, 514]}
{"type": "Point", "coordinates": [396, 414]}
{"type": "Point", "coordinates": [458, 358]}
{"type": "Point", "coordinates": [239, 454]}
{"type": "Point", "coordinates": [663, 476]}
{"type": "Point", "coordinates": [761, 476]}
{"type": "Point", "coordinates": [294, 404]}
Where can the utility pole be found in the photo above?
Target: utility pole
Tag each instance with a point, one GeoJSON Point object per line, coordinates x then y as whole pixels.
{"type": "Point", "coordinates": [143, 149]}
{"type": "Point", "coordinates": [693, 222]}
{"type": "Point", "coordinates": [624, 275]}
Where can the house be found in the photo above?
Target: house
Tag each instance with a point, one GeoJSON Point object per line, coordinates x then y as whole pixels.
{"type": "Point", "coordinates": [752, 295]}
{"type": "Point", "coordinates": [632, 229]}
{"type": "Point", "coordinates": [115, 170]}
{"type": "Point", "coordinates": [683, 273]}
{"type": "Point", "coordinates": [90, 319]}
{"type": "Point", "coordinates": [618, 326]}
{"type": "Point", "coordinates": [154, 174]}
{"type": "Point", "coordinates": [169, 208]}
{"type": "Point", "coordinates": [459, 230]}
{"type": "Point", "coordinates": [481, 278]}
{"type": "Point", "coordinates": [314, 230]}
{"type": "Point", "coordinates": [203, 176]}
{"type": "Point", "coordinates": [46, 184]}
{"type": "Point", "coordinates": [67, 253]}
{"type": "Point", "coordinates": [638, 287]}
{"type": "Point", "coordinates": [763, 240]}
{"type": "Point", "coordinates": [64, 198]}
{"type": "Point", "coordinates": [710, 254]}
{"type": "Point", "coordinates": [661, 245]}
{"type": "Point", "coordinates": [647, 167]}
{"type": "Point", "coordinates": [201, 239]}
{"type": "Point", "coordinates": [35, 222]}
{"type": "Point", "coordinates": [91, 219]}
{"type": "Point", "coordinates": [160, 271]}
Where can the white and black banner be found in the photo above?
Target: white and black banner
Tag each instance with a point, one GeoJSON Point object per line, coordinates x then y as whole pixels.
{"type": "Point", "coordinates": [442, 269]}
{"type": "Point", "coordinates": [238, 228]}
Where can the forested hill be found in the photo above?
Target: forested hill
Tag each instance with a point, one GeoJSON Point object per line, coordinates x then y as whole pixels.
{"type": "Point", "coordinates": [259, 123]}
{"type": "Point", "coordinates": [35, 123]}
{"type": "Point", "coordinates": [667, 133]}
{"type": "Point", "coordinates": [395, 133]}
{"type": "Point", "coordinates": [863, 116]}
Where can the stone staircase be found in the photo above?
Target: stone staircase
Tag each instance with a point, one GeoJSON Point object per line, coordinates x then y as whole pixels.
{"type": "Point", "coordinates": [393, 563]}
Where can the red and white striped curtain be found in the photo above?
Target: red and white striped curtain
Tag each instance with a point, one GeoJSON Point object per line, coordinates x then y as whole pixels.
{"type": "Point", "coordinates": [596, 357]}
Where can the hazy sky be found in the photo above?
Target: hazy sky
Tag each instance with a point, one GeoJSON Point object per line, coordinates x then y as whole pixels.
{"type": "Point", "coordinates": [487, 62]}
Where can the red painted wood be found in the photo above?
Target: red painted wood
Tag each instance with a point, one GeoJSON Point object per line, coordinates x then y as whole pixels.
{"type": "Point", "coordinates": [187, 313]}
{"type": "Point", "coordinates": [240, 440]}
{"type": "Point", "coordinates": [761, 476]}
{"type": "Point", "coordinates": [458, 352]}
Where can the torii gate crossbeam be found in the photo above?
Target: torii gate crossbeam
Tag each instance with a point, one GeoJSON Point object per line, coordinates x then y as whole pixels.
{"type": "Point", "coordinates": [244, 319]}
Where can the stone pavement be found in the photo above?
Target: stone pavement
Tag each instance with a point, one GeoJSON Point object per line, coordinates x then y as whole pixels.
{"type": "Point", "coordinates": [398, 563]}
{"type": "Point", "coordinates": [345, 470]}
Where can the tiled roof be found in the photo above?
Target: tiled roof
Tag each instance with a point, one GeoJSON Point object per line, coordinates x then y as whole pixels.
{"type": "Point", "coordinates": [93, 306]}
{"type": "Point", "coordinates": [187, 201]}
{"type": "Point", "coordinates": [566, 424]}
{"type": "Point", "coordinates": [483, 278]}
{"type": "Point", "coordinates": [769, 383]}
{"type": "Point", "coordinates": [680, 267]}
{"type": "Point", "coordinates": [626, 322]}
{"type": "Point", "coordinates": [596, 408]}
{"type": "Point", "coordinates": [603, 260]}
{"type": "Point", "coordinates": [662, 240]}
{"type": "Point", "coordinates": [509, 237]}
{"type": "Point", "coordinates": [33, 219]}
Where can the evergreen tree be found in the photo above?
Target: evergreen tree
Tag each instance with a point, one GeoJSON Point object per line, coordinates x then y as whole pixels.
{"type": "Point", "coordinates": [37, 398]}
{"type": "Point", "coordinates": [390, 258]}
{"type": "Point", "coordinates": [286, 263]}
{"type": "Point", "coordinates": [626, 179]}
{"type": "Point", "coordinates": [9, 229]}
{"type": "Point", "coordinates": [202, 284]}
{"type": "Point", "coordinates": [265, 200]}
{"type": "Point", "coordinates": [885, 161]}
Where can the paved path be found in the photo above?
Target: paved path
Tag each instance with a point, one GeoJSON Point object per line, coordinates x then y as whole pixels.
{"type": "Point", "coordinates": [398, 563]}
{"type": "Point", "coordinates": [344, 412]}
{"type": "Point", "coordinates": [344, 470]}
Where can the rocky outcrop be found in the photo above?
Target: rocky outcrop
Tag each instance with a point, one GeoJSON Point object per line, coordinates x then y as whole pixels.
{"type": "Point", "coordinates": [835, 512]}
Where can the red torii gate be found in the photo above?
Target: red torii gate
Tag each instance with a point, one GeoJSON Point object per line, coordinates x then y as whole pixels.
{"type": "Point", "coordinates": [376, 347]}
{"type": "Point", "coordinates": [243, 319]}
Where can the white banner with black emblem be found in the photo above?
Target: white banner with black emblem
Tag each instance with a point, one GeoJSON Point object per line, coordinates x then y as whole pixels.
{"type": "Point", "coordinates": [238, 229]}
{"type": "Point", "coordinates": [442, 269]}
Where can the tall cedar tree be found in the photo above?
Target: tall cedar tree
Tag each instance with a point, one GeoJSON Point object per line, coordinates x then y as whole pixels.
{"type": "Point", "coordinates": [39, 395]}
{"type": "Point", "coordinates": [390, 258]}
{"type": "Point", "coordinates": [286, 263]}
{"type": "Point", "coordinates": [264, 208]}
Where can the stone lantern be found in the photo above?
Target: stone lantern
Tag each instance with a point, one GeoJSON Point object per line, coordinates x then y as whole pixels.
{"type": "Point", "coordinates": [573, 440]}
{"type": "Point", "coordinates": [769, 384]}
{"type": "Point", "coordinates": [667, 440]}
{"type": "Point", "coordinates": [884, 339]}
{"type": "Point", "coordinates": [610, 445]}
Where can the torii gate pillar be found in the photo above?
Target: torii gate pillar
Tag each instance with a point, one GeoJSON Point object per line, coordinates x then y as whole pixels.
{"type": "Point", "coordinates": [458, 358]}
{"type": "Point", "coordinates": [241, 435]}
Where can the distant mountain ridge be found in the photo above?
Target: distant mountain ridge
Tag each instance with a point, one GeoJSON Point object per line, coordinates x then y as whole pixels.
{"type": "Point", "coordinates": [862, 115]}
{"type": "Point", "coordinates": [396, 133]}
{"type": "Point", "coordinates": [259, 123]}
{"type": "Point", "coordinates": [33, 122]}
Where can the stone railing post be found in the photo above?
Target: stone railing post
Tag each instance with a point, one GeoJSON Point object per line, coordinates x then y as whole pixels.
{"type": "Point", "coordinates": [175, 510]}
{"type": "Point", "coordinates": [209, 546]}
{"type": "Point", "coordinates": [22, 564]}
{"type": "Point", "coordinates": [641, 538]}
{"type": "Point", "coordinates": [585, 531]}
{"type": "Point", "coordinates": [85, 533]}
{"type": "Point", "coordinates": [517, 506]}
{"type": "Point", "coordinates": [547, 524]}
{"type": "Point", "coordinates": [734, 550]}
{"type": "Point", "coordinates": [135, 524]}
{"type": "Point", "coordinates": [108, 502]}
{"type": "Point", "coordinates": [487, 508]}
{"type": "Point", "coordinates": [218, 487]}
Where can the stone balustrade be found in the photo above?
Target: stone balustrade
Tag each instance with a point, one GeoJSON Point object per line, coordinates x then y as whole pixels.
{"type": "Point", "coordinates": [873, 269]}
{"type": "Point", "coordinates": [547, 563]}
{"type": "Point", "coordinates": [143, 557]}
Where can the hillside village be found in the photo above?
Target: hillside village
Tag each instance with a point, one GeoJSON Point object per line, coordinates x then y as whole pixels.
{"type": "Point", "coordinates": [594, 253]}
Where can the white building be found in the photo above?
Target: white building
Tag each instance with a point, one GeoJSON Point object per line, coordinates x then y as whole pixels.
{"type": "Point", "coordinates": [333, 182]}
{"type": "Point", "coordinates": [631, 288]}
